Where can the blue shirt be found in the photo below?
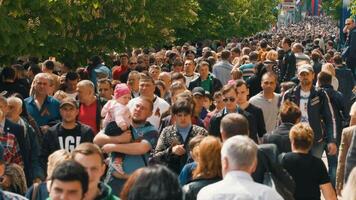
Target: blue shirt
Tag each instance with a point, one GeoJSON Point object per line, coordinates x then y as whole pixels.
{"type": "Point", "coordinates": [49, 111]}
{"type": "Point", "coordinates": [185, 175]}
{"type": "Point", "coordinates": [148, 133]}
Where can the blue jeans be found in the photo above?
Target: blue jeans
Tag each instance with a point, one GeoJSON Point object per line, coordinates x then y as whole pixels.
{"type": "Point", "coordinates": [317, 151]}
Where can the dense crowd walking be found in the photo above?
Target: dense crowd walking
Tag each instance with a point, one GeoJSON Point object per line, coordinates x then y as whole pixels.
{"type": "Point", "coordinates": [245, 118]}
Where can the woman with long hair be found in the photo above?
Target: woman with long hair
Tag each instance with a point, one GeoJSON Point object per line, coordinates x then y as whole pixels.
{"type": "Point", "coordinates": [208, 168]}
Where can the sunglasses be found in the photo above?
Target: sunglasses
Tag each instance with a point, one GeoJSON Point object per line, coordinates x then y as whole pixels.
{"type": "Point", "coordinates": [231, 99]}
{"type": "Point", "coordinates": [133, 63]}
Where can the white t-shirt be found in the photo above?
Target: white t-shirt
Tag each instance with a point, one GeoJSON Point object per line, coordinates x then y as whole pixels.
{"type": "Point", "coordinates": [303, 105]}
{"type": "Point", "coordinates": [160, 106]}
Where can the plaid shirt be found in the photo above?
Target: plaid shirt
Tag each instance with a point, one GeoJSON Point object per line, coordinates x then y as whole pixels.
{"type": "Point", "coordinates": [11, 148]}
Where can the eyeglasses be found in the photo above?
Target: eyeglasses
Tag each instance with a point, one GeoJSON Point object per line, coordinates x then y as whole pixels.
{"type": "Point", "coordinates": [231, 99]}
{"type": "Point", "coordinates": [133, 63]}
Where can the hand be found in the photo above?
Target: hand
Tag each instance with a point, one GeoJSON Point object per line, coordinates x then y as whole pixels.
{"type": "Point", "coordinates": [5, 182]}
{"type": "Point", "coordinates": [123, 126]}
{"type": "Point", "coordinates": [44, 128]}
{"type": "Point", "coordinates": [332, 149]}
{"type": "Point", "coordinates": [108, 148]}
{"type": "Point", "coordinates": [178, 150]}
{"type": "Point", "coordinates": [125, 137]}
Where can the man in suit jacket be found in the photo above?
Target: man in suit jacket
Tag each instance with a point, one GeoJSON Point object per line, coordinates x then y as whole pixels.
{"type": "Point", "coordinates": [11, 136]}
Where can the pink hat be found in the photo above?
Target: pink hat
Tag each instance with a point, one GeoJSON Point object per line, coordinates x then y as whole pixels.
{"type": "Point", "coordinates": [120, 90]}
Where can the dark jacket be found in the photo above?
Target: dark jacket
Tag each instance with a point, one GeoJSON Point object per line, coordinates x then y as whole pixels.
{"type": "Point", "coordinates": [341, 114]}
{"type": "Point", "coordinates": [346, 83]}
{"type": "Point", "coordinates": [288, 67]}
{"type": "Point", "coordinates": [169, 136]}
{"type": "Point", "coordinates": [51, 142]}
{"type": "Point", "coordinates": [214, 126]}
{"type": "Point", "coordinates": [191, 190]}
{"type": "Point", "coordinates": [216, 86]}
{"type": "Point", "coordinates": [42, 192]}
{"type": "Point", "coordinates": [279, 137]}
{"type": "Point", "coordinates": [31, 155]}
{"type": "Point", "coordinates": [320, 113]}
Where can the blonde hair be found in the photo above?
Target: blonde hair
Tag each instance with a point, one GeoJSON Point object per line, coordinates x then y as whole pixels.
{"type": "Point", "coordinates": [55, 159]}
{"type": "Point", "coordinates": [328, 68]}
{"type": "Point", "coordinates": [208, 158]}
{"type": "Point", "coordinates": [272, 55]}
{"type": "Point", "coordinates": [349, 191]}
{"type": "Point", "coordinates": [302, 136]}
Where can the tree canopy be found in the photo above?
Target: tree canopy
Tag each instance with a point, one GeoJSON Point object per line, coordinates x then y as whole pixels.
{"type": "Point", "coordinates": [80, 28]}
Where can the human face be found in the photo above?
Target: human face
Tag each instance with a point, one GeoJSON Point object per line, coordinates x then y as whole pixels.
{"type": "Point", "coordinates": [268, 84]}
{"type": "Point", "coordinates": [3, 107]}
{"type": "Point", "coordinates": [219, 103]}
{"type": "Point", "coordinates": [154, 73]}
{"type": "Point", "coordinates": [66, 190]}
{"type": "Point", "coordinates": [204, 71]}
{"type": "Point", "coordinates": [14, 110]}
{"type": "Point", "coordinates": [71, 85]}
{"type": "Point", "coordinates": [124, 99]}
{"type": "Point", "coordinates": [306, 78]}
{"type": "Point", "coordinates": [83, 93]}
{"type": "Point", "coordinates": [349, 24]}
{"type": "Point", "coordinates": [105, 90]}
{"type": "Point", "coordinates": [141, 112]}
{"type": "Point", "coordinates": [198, 100]}
{"type": "Point", "coordinates": [285, 46]}
{"type": "Point", "coordinates": [230, 100]}
{"type": "Point", "coordinates": [189, 67]}
{"type": "Point", "coordinates": [94, 167]}
{"type": "Point", "coordinates": [147, 88]}
{"type": "Point", "coordinates": [124, 61]}
{"type": "Point", "coordinates": [68, 113]}
{"type": "Point", "coordinates": [42, 86]}
{"type": "Point", "coordinates": [183, 119]}
{"type": "Point", "coordinates": [133, 63]}
{"type": "Point", "coordinates": [166, 79]}
{"type": "Point", "coordinates": [242, 94]}
{"type": "Point", "coordinates": [178, 68]}
{"type": "Point", "coordinates": [133, 83]}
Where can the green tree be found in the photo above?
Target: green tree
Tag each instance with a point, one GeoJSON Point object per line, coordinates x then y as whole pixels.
{"type": "Point", "coordinates": [227, 18]}
{"type": "Point", "coordinates": [80, 28]}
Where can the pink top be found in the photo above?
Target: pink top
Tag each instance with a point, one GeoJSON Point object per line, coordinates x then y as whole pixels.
{"type": "Point", "coordinates": [115, 111]}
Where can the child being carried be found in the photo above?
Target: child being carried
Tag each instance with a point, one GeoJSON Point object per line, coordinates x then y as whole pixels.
{"type": "Point", "coordinates": [117, 120]}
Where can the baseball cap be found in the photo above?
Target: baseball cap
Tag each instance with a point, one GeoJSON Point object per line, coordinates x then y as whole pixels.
{"type": "Point", "coordinates": [69, 101]}
{"type": "Point", "coordinates": [305, 68]}
{"type": "Point", "coordinates": [198, 91]}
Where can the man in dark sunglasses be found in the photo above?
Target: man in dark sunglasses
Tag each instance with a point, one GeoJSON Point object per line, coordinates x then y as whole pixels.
{"type": "Point", "coordinates": [230, 99]}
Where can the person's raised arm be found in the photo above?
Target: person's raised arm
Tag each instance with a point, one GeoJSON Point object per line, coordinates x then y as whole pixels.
{"type": "Point", "coordinates": [102, 139]}
{"type": "Point", "coordinates": [136, 148]}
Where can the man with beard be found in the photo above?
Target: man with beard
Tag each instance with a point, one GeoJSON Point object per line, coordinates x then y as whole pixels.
{"type": "Point", "coordinates": [135, 145]}
{"type": "Point", "coordinates": [316, 110]}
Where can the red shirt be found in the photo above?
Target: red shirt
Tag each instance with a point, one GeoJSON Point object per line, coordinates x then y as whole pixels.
{"type": "Point", "coordinates": [87, 115]}
{"type": "Point", "coordinates": [118, 71]}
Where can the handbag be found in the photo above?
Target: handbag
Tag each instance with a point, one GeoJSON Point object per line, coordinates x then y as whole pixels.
{"type": "Point", "coordinates": [278, 179]}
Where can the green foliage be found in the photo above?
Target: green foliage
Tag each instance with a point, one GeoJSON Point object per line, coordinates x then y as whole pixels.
{"type": "Point", "coordinates": [228, 18]}
{"type": "Point", "coordinates": [80, 28]}
{"type": "Point", "coordinates": [333, 8]}
{"type": "Point", "coordinates": [353, 8]}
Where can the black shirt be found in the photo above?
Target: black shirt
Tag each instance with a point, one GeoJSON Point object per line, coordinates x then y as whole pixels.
{"type": "Point", "coordinates": [308, 173]}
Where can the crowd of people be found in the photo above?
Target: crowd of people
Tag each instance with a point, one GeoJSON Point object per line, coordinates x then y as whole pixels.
{"type": "Point", "coordinates": [239, 119]}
